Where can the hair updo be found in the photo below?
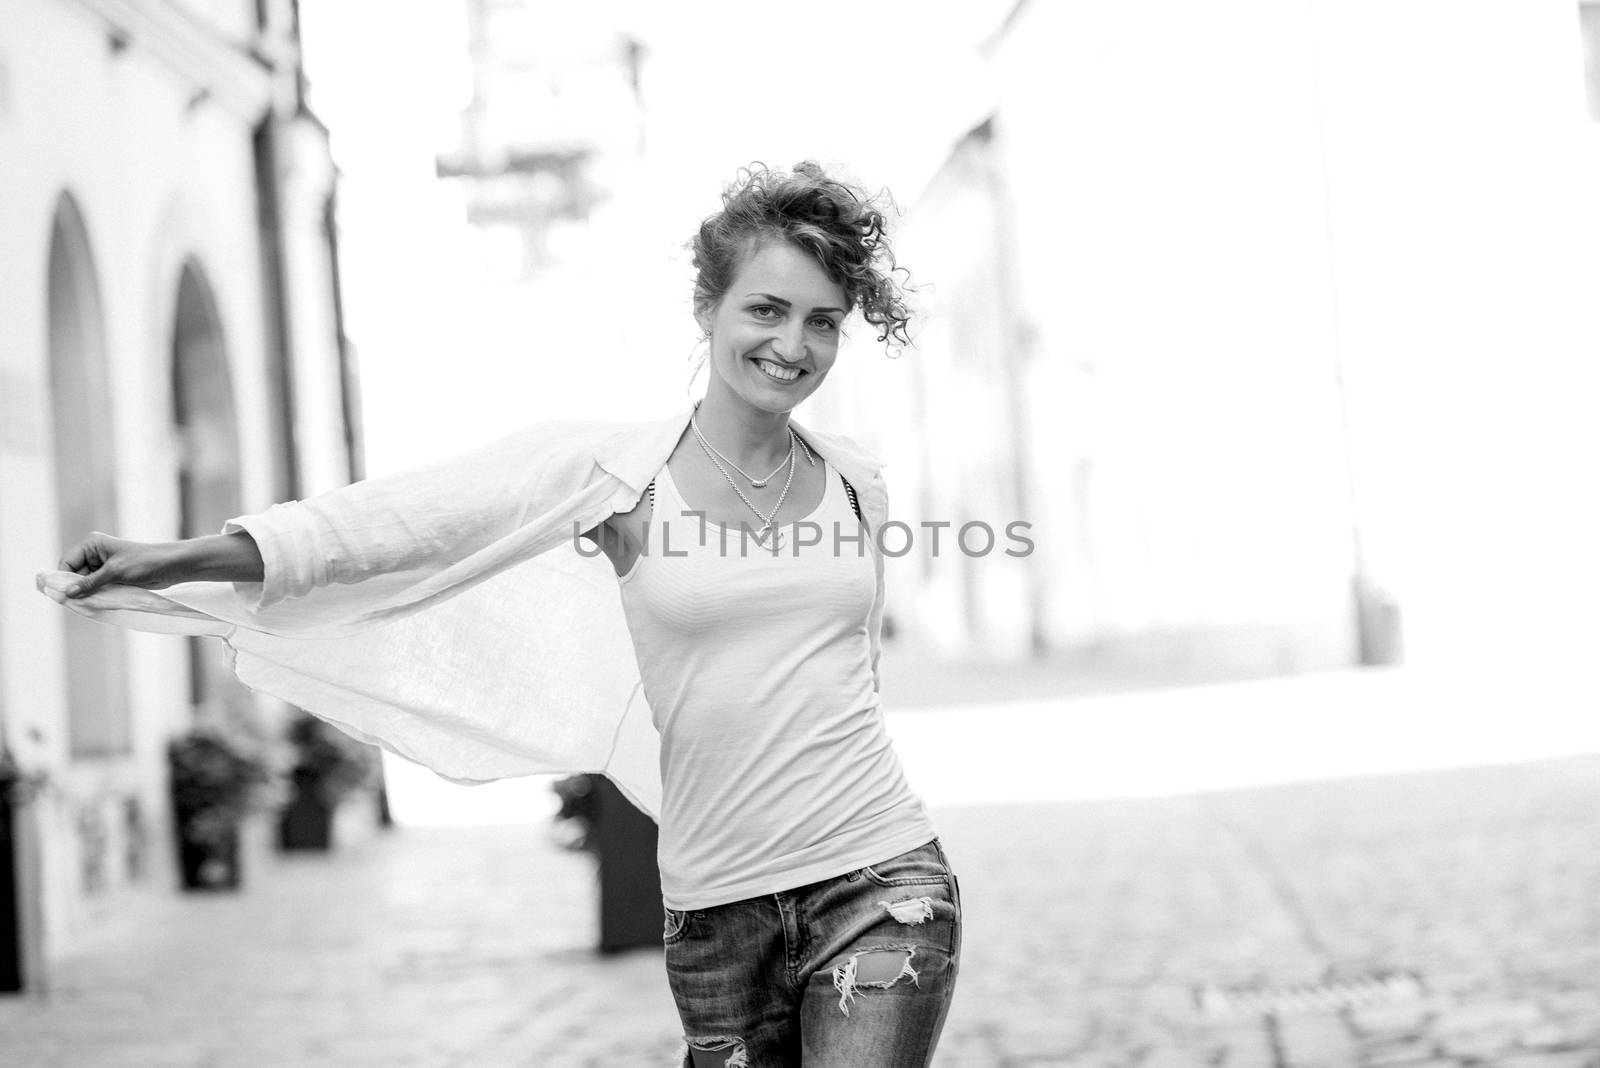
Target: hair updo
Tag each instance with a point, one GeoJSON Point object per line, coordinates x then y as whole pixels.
{"type": "Point", "coordinates": [837, 223]}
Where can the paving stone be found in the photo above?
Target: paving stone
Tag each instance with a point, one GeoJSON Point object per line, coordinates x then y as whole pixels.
{"type": "Point", "coordinates": [1390, 1021]}
{"type": "Point", "coordinates": [1244, 1047]}
{"type": "Point", "coordinates": [1322, 1039]}
{"type": "Point", "coordinates": [1401, 1054]}
{"type": "Point", "coordinates": [1484, 1045]}
{"type": "Point", "coordinates": [1568, 1059]}
{"type": "Point", "coordinates": [1508, 1015]}
{"type": "Point", "coordinates": [1174, 1057]}
{"type": "Point", "coordinates": [1552, 1035]}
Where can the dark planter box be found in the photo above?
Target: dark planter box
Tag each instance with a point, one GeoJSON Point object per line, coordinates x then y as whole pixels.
{"type": "Point", "coordinates": [306, 823]}
{"type": "Point", "coordinates": [10, 907]}
{"type": "Point", "coordinates": [210, 863]}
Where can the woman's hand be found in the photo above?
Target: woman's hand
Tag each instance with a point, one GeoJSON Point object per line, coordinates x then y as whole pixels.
{"type": "Point", "coordinates": [104, 560]}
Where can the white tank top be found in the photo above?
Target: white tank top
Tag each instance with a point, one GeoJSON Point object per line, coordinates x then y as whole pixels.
{"type": "Point", "coordinates": [776, 769]}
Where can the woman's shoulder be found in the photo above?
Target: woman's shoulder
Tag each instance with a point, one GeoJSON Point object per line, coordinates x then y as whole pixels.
{"type": "Point", "coordinates": [853, 460]}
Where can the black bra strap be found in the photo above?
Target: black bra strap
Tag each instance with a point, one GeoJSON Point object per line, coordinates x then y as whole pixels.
{"type": "Point", "coordinates": [850, 491]}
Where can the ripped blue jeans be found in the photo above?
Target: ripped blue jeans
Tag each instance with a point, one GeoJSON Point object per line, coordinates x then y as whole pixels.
{"type": "Point", "coordinates": [853, 970]}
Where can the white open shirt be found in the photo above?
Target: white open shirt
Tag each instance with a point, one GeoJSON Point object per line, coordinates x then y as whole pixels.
{"type": "Point", "coordinates": [445, 612]}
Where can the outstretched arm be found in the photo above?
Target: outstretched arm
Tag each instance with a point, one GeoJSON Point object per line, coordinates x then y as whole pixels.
{"type": "Point", "coordinates": [106, 560]}
{"type": "Point", "coordinates": [401, 529]}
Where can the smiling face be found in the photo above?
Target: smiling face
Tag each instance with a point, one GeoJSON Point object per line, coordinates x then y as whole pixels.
{"type": "Point", "coordinates": [775, 332]}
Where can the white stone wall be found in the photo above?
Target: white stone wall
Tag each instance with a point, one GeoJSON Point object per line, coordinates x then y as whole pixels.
{"type": "Point", "coordinates": [318, 388]}
{"type": "Point", "coordinates": [163, 175]}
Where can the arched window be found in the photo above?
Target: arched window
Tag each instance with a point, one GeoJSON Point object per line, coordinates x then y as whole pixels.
{"type": "Point", "coordinates": [81, 406]}
{"type": "Point", "coordinates": [208, 465]}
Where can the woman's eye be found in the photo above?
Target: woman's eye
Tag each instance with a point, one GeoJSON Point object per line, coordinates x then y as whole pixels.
{"type": "Point", "coordinates": [824, 324]}
{"type": "Point", "coordinates": [764, 311]}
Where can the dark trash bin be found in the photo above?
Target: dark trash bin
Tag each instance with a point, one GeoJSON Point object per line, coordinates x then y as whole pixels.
{"type": "Point", "coordinates": [306, 822]}
{"type": "Point", "coordinates": [623, 840]}
{"type": "Point", "coordinates": [630, 882]}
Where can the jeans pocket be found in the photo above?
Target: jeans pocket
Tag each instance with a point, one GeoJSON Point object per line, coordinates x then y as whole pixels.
{"type": "Point", "coordinates": [922, 866]}
{"type": "Point", "coordinates": [675, 925]}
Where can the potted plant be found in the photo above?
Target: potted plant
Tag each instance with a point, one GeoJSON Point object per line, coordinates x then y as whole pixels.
{"type": "Point", "coordinates": [216, 778]}
{"type": "Point", "coordinates": [327, 765]}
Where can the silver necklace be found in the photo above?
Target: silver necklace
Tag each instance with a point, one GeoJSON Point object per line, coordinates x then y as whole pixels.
{"type": "Point", "coordinates": [766, 520]}
{"type": "Point", "coordinates": [756, 482]}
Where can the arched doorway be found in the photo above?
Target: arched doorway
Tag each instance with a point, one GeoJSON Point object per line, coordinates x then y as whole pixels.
{"type": "Point", "coordinates": [208, 461]}
{"type": "Point", "coordinates": [80, 396]}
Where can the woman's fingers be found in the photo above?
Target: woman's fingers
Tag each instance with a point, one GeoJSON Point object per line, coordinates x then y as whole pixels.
{"type": "Point", "coordinates": [90, 553]}
{"type": "Point", "coordinates": [90, 558]}
{"type": "Point", "coordinates": [91, 581]}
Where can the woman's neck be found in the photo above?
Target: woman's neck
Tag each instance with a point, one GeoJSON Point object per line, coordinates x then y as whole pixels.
{"type": "Point", "coordinates": [747, 436]}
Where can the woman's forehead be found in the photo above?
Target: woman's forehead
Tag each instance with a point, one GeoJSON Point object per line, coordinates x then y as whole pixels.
{"type": "Point", "coordinates": [783, 264]}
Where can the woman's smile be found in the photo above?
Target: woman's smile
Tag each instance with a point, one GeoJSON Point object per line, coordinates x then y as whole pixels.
{"type": "Point", "coordinates": [776, 371]}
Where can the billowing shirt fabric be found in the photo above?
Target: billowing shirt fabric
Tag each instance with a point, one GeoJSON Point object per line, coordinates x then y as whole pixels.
{"type": "Point", "coordinates": [449, 614]}
{"type": "Point", "coordinates": [777, 768]}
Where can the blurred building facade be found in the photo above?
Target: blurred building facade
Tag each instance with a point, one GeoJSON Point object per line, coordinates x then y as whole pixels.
{"type": "Point", "coordinates": [1232, 302]}
{"type": "Point", "coordinates": [171, 355]}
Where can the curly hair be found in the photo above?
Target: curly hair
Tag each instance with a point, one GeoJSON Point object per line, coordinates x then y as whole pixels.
{"type": "Point", "coordinates": [836, 222]}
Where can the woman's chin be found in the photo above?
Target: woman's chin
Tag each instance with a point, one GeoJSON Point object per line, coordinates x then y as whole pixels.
{"type": "Point", "coordinates": [776, 398]}
{"type": "Point", "coordinates": [778, 404]}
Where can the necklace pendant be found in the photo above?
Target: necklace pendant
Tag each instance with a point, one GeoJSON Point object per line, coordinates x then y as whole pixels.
{"type": "Point", "coordinates": [758, 482]}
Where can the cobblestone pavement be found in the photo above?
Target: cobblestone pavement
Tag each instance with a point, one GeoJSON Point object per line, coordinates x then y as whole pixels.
{"type": "Point", "coordinates": [1419, 921]}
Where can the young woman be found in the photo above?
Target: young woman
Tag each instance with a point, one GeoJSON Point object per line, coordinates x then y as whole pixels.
{"type": "Point", "coordinates": [811, 916]}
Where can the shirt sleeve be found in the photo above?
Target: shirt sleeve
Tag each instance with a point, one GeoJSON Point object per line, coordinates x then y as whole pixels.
{"type": "Point", "coordinates": [424, 519]}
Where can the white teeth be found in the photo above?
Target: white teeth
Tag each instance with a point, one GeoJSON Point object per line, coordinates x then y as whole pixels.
{"type": "Point", "coordinates": [782, 374]}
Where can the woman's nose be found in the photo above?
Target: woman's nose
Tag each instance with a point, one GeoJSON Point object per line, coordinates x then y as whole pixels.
{"type": "Point", "coordinates": [790, 344]}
